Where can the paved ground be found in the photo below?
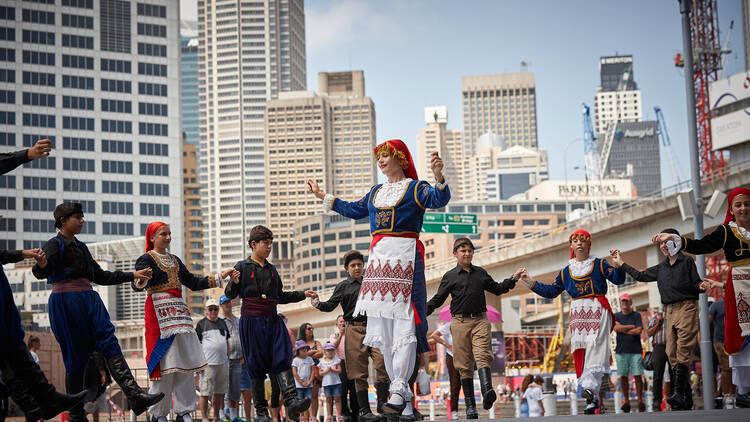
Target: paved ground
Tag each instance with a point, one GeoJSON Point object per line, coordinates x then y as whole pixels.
{"type": "Point", "coordinates": [693, 416]}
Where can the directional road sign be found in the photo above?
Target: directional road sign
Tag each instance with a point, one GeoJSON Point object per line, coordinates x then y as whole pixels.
{"type": "Point", "coordinates": [438, 222]}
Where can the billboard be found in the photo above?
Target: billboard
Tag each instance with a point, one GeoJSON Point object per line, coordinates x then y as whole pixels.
{"type": "Point", "coordinates": [730, 110]}
{"type": "Point", "coordinates": [555, 190]}
{"type": "Point", "coordinates": [497, 368]}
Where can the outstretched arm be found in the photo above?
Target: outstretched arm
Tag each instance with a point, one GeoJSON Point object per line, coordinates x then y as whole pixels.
{"type": "Point", "coordinates": [545, 290]}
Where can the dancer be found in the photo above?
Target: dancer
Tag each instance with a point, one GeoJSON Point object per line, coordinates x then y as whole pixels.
{"type": "Point", "coordinates": [21, 376]}
{"type": "Point", "coordinates": [470, 328]}
{"type": "Point", "coordinates": [732, 237]}
{"type": "Point", "coordinates": [591, 319]}
{"type": "Point", "coordinates": [77, 314]}
{"type": "Point", "coordinates": [393, 293]}
{"type": "Point", "coordinates": [346, 294]}
{"type": "Point", "coordinates": [679, 286]}
{"type": "Point", "coordinates": [265, 340]}
{"type": "Point", "coordinates": [173, 352]}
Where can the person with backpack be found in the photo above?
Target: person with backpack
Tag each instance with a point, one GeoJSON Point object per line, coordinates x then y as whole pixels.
{"type": "Point", "coordinates": [77, 315]}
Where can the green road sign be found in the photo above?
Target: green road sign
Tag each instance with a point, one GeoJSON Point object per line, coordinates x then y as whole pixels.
{"type": "Point", "coordinates": [441, 217]}
{"type": "Point", "coordinates": [449, 228]}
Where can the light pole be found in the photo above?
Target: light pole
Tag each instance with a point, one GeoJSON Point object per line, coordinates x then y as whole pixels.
{"type": "Point", "coordinates": [565, 170]}
{"type": "Point", "coordinates": [700, 260]}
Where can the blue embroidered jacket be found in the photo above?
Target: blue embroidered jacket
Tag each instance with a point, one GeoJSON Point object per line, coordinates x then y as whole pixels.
{"type": "Point", "coordinates": [590, 285]}
{"type": "Point", "coordinates": [400, 219]}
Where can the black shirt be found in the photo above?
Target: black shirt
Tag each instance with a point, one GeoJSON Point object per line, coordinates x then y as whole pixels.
{"type": "Point", "coordinates": [467, 290]}
{"type": "Point", "coordinates": [628, 343]}
{"type": "Point", "coordinates": [676, 282]}
{"type": "Point", "coordinates": [261, 281]}
{"type": "Point", "coordinates": [11, 160]}
{"type": "Point", "coordinates": [80, 263]}
{"type": "Point", "coordinates": [345, 293]}
{"type": "Point", "coordinates": [6, 257]}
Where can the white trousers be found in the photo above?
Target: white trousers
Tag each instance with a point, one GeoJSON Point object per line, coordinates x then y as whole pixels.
{"type": "Point", "coordinates": [740, 364]}
{"type": "Point", "coordinates": [397, 340]}
{"type": "Point", "coordinates": [179, 386]}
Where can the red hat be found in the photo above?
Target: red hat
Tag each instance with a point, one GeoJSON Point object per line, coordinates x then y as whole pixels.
{"type": "Point", "coordinates": [732, 194]}
{"type": "Point", "coordinates": [579, 234]}
{"type": "Point", "coordinates": [150, 231]}
{"type": "Point", "coordinates": [626, 296]}
{"type": "Point", "coordinates": [398, 149]}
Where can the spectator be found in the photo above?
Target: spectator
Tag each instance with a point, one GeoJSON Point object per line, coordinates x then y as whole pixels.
{"type": "Point", "coordinates": [716, 316]}
{"type": "Point", "coordinates": [34, 345]}
{"type": "Point", "coordinates": [330, 369]}
{"type": "Point", "coordinates": [236, 364]}
{"type": "Point", "coordinates": [533, 396]}
{"type": "Point", "coordinates": [214, 336]}
{"type": "Point", "coordinates": [348, 394]}
{"type": "Point", "coordinates": [628, 326]}
{"type": "Point", "coordinates": [657, 330]}
{"type": "Point", "coordinates": [302, 369]}
{"type": "Point", "coordinates": [443, 336]}
{"type": "Point", "coordinates": [315, 352]}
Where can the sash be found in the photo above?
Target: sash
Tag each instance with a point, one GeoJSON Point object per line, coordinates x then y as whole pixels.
{"type": "Point", "coordinates": [737, 309]}
{"type": "Point", "coordinates": [172, 314]}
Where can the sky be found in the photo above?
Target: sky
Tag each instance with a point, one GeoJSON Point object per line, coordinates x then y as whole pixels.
{"type": "Point", "coordinates": [413, 54]}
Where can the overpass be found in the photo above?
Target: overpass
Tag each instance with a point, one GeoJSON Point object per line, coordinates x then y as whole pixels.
{"type": "Point", "coordinates": [627, 226]}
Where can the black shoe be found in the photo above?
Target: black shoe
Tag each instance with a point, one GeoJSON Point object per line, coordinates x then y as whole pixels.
{"type": "Point", "coordinates": [408, 418]}
{"type": "Point", "coordinates": [591, 408]}
{"type": "Point", "coordinates": [394, 409]}
{"type": "Point", "coordinates": [742, 400]}
{"type": "Point", "coordinates": [288, 388]}
{"type": "Point", "coordinates": [485, 384]}
{"type": "Point", "coordinates": [467, 384]}
{"type": "Point", "coordinates": [22, 397]}
{"type": "Point", "coordinates": [588, 395]}
{"type": "Point", "coordinates": [418, 415]}
{"type": "Point", "coordinates": [138, 400]}
{"type": "Point", "coordinates": [381, 394]}
{"type": "Point", "coordinates": [365, 414]}
{"type": "Point", "coordinates": [625, 407]}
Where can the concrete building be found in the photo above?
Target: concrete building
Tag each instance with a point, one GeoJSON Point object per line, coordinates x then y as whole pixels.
{"type": "Point", "coordinates": [328, 138]}
{"type": "Point", "coordinates": [745, 4]}
{"type": "Point", "coordinates": [192, 232]}
{"type": "Point", "coordinates": [189, 89]}
{"type": "Point", "coordinates": [635, 154]}
{"type": "Point", "coordinates": [103, 84]}
{"type": "Point", "coordinates": [248, 52]}
{"type": "Point", "coordinates": [448, 143]}
{"type": "Point", "coordinates": [320, 243]}
{"type": "Point", "coordinates": [730, 125]}
{"type": "Point", "coordinates": [504, 104]}
{"type": "Point", "coordinates": [618, 98]}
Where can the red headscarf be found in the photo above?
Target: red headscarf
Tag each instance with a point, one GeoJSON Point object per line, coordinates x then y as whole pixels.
{"type": "Point", "coordinates": [150, 231]}
{"type": "Point", "coordinates": [584, 235]}
{"type": "Point", "coordinates": [398, 149]}
{"type": "Point", "coordinates": [732, 194]}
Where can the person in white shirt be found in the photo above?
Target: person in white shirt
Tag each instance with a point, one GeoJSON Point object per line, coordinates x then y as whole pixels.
{"type": "Point", "coordinates": [302, 368]}
{"type": "Point", "coordinates": [330, 368]}
{"type": "Point", "coordinates": [214, 335]}
{"type": "Point", "coordinates": [443, 336]}
{"type": "Point", "coordinates": [533, 396]}
{"type": "Point", "coordinates": [34, 345]}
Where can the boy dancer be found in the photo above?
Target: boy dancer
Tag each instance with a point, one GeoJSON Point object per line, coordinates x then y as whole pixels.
{"type": "Point", "coordinates": [470, 327]}
{"type": "Point", "coordinates": [591, 320]}
{"type": "Point", "coordinates": [77, 314]}
{"type": "Point", "coordinates": [264, 337]}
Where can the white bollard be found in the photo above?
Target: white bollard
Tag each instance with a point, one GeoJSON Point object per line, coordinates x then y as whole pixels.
{"type": "Point", "coordinates": [618, 401]}
{"type": "Point", "coordinates": [517, 405]}
{"type": "Point", "coordinates": [492, 411]}
{"type": "Point", "coordinates": [649, 401]}
{"type": "Point", "coordinates": [573, 403]}
{"type": "Point", "coordinates": [325, 410]}
{"type": "Point", "coordinates": [432, 409]}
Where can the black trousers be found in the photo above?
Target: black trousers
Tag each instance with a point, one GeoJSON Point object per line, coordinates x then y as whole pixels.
{"type": "Point", "coordinates": [347, 390]}
{"type": "Point", "coordinates": [659, 356]}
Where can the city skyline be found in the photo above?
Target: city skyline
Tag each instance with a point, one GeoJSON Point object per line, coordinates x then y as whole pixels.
{"type": "Point", "coordinates": [562, 45]}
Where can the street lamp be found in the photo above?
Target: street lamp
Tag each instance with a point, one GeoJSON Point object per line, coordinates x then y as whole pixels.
{"type": "Point", "coordinates": [565, 170]}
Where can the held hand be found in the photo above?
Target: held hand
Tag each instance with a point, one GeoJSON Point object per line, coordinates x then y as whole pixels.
{"type": "Point", "coordinates": [234, 276]}
{"type": "Point", "coordinates": [141, 277]}
{"type": "Point", "coordinates": [40, 149]}
{"type": "Point", "coordinates": [41, 260]}
{"type": "Point", "coordinates": [616, 258]}
{"type": "Point", "coordinates": [526, 278]}
{"type": "Point", "coordinates": [708, 284]}
{"type": "Point", "coordinates": [32, 253]}
{"type": "Point", "coordinates": [436, 163]}
{"type": "Point", "coordinates": [517, 274]}
{"type": "Point", "coordinates": [312, 187]}
{"type": "Point", "coordinates": [311, 293]}
{"type": "Point", "coordinates": [661, 237]}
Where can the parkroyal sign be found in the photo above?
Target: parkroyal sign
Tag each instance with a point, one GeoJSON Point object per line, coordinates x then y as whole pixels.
{"type": "Point", "coordinates": [552, 190]}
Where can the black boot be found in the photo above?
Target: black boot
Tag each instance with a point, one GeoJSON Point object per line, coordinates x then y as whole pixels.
{"type": "Point", "coordinates": [289, 391]}
{"type": "Point", "coordinates": [381, 392]}
{"type": "Point", "coordinates": [365, 414]}
{"type": "Point", "coordinates": [742, 400]}
{"type": "Point", "coordinates": [74, 385]}
{"type": "Point", "coordinates": [485, 384]}
{"type": "Point", "coordinates": [688, 390]}
{"type": "Point", "coordinates": [21, 366]}
{"type": "Point", "coordinates": [259, 399]}
{"type": "Point", "coordinates": [467, 384]}
{"type": "Point", "coordinates": [677, 400]}
{"type": "Point", "coordinates": [22, 397]}
{"type": "Point", "coordinates": [138, 400]}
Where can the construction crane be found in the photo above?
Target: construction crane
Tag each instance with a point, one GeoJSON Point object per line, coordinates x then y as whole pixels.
{"type": "Point", "coordinates": [661, 128]}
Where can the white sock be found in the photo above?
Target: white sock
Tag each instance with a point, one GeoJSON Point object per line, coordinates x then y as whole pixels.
{"type": "Point", "coordinates": [408, 410]}
{"type": "Point", "coordinates": [186, 418]}
{"type": "Point", "coordinates": [396, 399]}
{"type": "Point", "coordinates": [232, 413]}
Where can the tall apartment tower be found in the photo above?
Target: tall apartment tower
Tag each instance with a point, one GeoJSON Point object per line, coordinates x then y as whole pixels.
{"type": "Point", "coordinates": [248, 52]}
{"type": "Point", "coordinates": [189, 89]}
{"type": "Point", "coordinates": [504, 104]}
{"type": "Point", "coordinates": [618, 97]}
{"type": "Point", "coordinates": [448, 143]}
{"type": "Point", "coordinates": [192, 232]}
{"type": "Point", "coordinates": [327, 137]}
{"type": "Point", "coordinates": [104, 84]}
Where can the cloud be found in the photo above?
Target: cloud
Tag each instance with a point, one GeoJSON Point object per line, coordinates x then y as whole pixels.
{"type": "Point", "coordinates": [343, 22]}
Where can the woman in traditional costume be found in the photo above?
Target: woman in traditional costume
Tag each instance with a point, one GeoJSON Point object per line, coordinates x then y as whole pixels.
{"type": "Point", "coordinates": [734, 238]}
{"type": "Point", "coordinates": [173, 352]}
{"type": "Point", "coordinates": [591, 318]}
{"type": "Point", "coordinates": [393, 292]}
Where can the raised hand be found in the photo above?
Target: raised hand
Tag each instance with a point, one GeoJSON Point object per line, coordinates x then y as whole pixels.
{"type": "Point", "coordinates": [436, 163]}
{"type": "Point", "coordinates": [616, 258]}
{"type": "Point", "coordinates": [312, 187]}
{"type": "Point", "coordinates": [40, 149]}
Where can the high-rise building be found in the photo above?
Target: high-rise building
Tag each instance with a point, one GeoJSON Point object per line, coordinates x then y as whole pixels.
{"type": "Point", "coordinates": [328, 138]}
{"type": "Point", "coordinates": [618, 98]}
{"type": "Point", "coordinates": [504, 104]}
{"type": "Point", "coordinates": [189, 89]}
{"type": "Point", "coordinates": [635, 154]}
{"type": "Point", "coordinates": [248, 52]}
{"type": "Point", "coordinates": [448, 144]}
{"type": "Point", "coordinates": [103, 84]}
{"type": "Point", "coordinates": [746, 31]}
{"type": "Point", "coordinates": [192, 232]}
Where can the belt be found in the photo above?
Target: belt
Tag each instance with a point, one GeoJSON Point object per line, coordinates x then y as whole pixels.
{"type": "Point", "coordinates": [71, 285]}
{"type": "Point", "coordinates": [357, 323]}
{"type": "Point", "coordinates": [472, 315]}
